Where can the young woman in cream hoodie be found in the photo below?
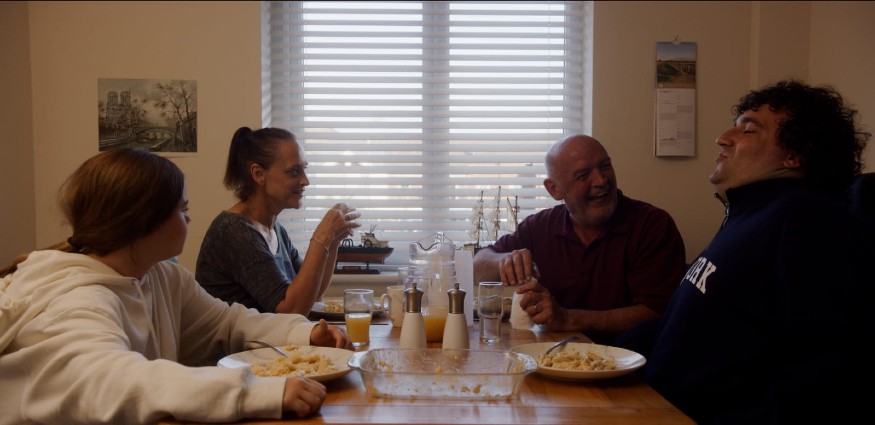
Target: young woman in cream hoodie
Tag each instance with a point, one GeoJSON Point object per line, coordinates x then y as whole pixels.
{"type": "Point", "coordinates": [101, 329]}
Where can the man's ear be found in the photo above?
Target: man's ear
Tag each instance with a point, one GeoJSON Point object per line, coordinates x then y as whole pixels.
{"type": "Point", "coordinates": [792, 161]}
{"type": "Point", "coordinates": [550, 185]}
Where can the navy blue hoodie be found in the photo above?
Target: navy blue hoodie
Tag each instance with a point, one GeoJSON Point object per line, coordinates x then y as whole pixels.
{"type": "Point", "coordinates": [770, 323]}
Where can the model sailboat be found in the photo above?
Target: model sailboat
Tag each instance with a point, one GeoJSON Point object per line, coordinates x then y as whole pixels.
{"type": "Point", "coordinates": [478, 232]}
{"type": "Point", "coordinates": [371, 250]}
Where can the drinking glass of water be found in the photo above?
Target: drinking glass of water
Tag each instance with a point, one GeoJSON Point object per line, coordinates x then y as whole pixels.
{"type": "Point", "coordinates": [490, 308]}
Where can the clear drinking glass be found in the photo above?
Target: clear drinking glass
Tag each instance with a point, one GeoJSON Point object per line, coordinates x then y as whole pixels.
{"type": "Point", "coordinates": [358, 306]}
{"type": "Point", "coordinates": [490, 308]}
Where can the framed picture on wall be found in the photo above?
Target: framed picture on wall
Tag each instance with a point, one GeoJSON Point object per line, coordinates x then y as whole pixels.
{"type": "Point", "coordinates": [156, 115]}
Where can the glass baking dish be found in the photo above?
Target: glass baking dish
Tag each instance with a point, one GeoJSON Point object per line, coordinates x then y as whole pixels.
{"type": "Point", "coordinates": [442, 373]}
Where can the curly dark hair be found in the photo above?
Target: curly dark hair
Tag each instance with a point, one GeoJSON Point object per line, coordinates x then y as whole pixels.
{"type": "Point", "coordinates": [820, 128]}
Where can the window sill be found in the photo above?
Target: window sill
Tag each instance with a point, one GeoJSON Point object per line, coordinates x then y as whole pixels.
{"type": "Point", "coordinates": [377, 282]}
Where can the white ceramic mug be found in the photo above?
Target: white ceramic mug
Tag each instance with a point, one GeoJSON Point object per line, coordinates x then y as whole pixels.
{"type": "Point", "coordinates": [393, 304]}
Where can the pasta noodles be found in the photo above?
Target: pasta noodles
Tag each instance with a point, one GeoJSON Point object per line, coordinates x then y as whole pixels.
{"type": "Point", "coordinates": [296, 364]}
{"type": "Point", "coordinates": [572, 360]}
{"type": "Point", "coordinates": [333, 307]}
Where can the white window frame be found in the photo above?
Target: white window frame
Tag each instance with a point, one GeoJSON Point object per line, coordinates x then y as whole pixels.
{"type": "Point", "coordinates": [452, 101]}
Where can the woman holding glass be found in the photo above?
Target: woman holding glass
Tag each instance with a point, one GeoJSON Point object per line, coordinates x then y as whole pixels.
{"type": "Point", "coordinates": [246, 256]}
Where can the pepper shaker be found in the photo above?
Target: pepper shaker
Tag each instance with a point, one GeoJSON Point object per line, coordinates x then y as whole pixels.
{"type": "Point", "coordinates": [456, 328]}
{"type": "Point", "coordinates": [413, 326]}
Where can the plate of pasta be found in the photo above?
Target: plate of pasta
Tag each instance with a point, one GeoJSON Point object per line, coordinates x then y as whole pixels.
{"type": "Point", "coordinates": [332, 309]}
{"type": "Point", "coordinates": [319, 363]}
{"type": "Point", "coordinates": [580, 361]}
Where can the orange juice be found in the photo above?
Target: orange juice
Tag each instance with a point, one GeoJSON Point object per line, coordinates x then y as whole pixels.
{"type": "Point", "coordinates": [357, 327]}
{"type": "Point", "coordinates": [435, 317]}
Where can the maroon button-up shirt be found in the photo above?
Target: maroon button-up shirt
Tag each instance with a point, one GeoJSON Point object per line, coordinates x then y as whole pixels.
{"type": "Point", "coordinates": [639, 260]}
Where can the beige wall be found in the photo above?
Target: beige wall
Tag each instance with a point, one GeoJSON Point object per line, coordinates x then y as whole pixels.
{"type": "Point", "coordinates": [741, 45]}
{"type": "Point", "coordinates": [17, 221]}
{"type": "Point", "coordinates": [75, 43]}
{"type": "Point", "coordinates": [623, 100]}
{"type": "Point", "coordinates": [843, 55]}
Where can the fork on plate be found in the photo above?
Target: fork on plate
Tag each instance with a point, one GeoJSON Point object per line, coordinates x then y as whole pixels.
{"type": "Point", "coordinates": [264, 344]}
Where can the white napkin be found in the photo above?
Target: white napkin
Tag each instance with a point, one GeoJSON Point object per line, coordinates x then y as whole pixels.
{"type": "Point", "coordinates": [519, 319]}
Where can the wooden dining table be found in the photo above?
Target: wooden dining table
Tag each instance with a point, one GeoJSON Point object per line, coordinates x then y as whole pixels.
{"type": "Point", "coordinates": [541, 400]}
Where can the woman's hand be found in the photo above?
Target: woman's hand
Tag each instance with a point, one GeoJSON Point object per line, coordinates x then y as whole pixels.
{"type": "Point", "coordinates": [303, 396]}
{"type": "Point", "coordinates": [325, 335]}
{"type": "Point", "coordinates": [337, 225]}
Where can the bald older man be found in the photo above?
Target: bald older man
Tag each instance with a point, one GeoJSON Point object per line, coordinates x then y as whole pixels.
{"type": "Point", "coordinates": [603, 262]}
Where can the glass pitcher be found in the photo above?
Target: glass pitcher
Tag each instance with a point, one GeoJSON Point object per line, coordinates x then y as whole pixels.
{"type": "Point", "coordinates": [434, 258]}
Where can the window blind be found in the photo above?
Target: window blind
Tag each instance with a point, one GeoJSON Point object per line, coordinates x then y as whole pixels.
{"type": "Point", "coordinates": [412, 112]}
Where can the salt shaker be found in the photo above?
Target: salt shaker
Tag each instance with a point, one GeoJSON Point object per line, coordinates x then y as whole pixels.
{"type": "Point", "coordinates": [413, 326]}
{"type": "Point", "coordinates": [456, 329]}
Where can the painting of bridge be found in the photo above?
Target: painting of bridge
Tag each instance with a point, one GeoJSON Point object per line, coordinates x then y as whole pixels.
{"type": "Point", "coordinates": [675, 65]}
{"type": "Point", "coordinates": [157, 115]}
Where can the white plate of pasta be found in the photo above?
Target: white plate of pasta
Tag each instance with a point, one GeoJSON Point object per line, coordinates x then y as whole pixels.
{"type": "Point", "coordinates": [332, 309]}
{"type": "Point", "coordinates": [580, 361]}
{"type": "Point", "coordinates": [319, 363]}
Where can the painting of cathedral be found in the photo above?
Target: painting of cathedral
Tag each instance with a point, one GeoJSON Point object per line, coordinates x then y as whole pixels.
{"type": "Point", "coordinates": [157, 115]}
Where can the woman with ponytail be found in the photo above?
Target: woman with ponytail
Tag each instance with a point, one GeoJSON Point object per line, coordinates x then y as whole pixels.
{"type": "Point", "coordinates": [246, 256]}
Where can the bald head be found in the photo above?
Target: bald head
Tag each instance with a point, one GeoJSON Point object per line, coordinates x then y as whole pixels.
{"type": "Point", "coordinates": [580, 173]}
{"type": "Point", "coordinates": [569, 147]}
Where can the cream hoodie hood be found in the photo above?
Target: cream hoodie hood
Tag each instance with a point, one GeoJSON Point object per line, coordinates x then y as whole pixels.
{"type": "Point", "coordinates": [80, 343]}
{"type": "Point", "coordinates": [43, 277]}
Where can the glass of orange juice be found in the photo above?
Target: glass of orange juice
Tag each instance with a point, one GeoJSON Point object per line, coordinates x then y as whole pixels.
{"type": "Point", "coordinates": [435, 318]}
{"type": "Point", "coordinates": [357, 310]}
